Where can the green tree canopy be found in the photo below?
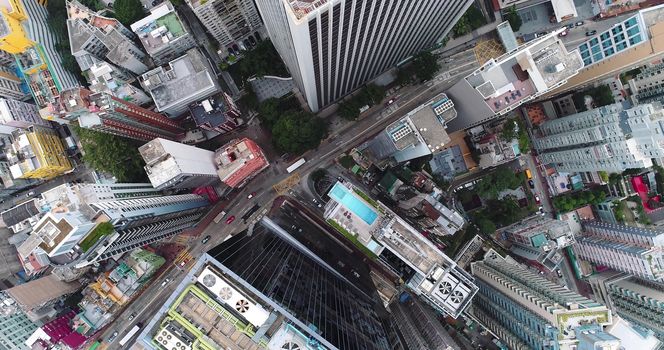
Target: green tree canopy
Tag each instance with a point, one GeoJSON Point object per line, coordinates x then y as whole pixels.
{"type": "Point", "coordinates": [513, 17]}
{"type": "Point", "coordinates": [509, 130]}
{"type": "Point", "coordinates": [128, 11]}
{"type": "Point", "coordinates": [296, 132]}
{"type": "Point", "coordinates": [268, 112]}
{"type": "Point", "coordinates": [571, 201]}
{"type": "Point", "coordinates": [262, 60]}
{"type": "Point", "coordinates": [425, 65]}
{"type": "Point", "coordinates": [112, 154]}
{"type": "Point", "coordinates": [501, 179]}
{"type": "Point", "coordinates": [370, 95]}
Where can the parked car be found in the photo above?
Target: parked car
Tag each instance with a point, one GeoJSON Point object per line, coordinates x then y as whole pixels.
{"type": "Point", "coordinates": [570, 26]}
{"type": "Point", "coordinates": [591, 32]}
{"type": "Point", "coordinates": [251, 195]}
{"type": "Point", "coordinates": [537, 199]}
{"type": "Point", "coordinates": [30, 194]}
{"type": "Point", "coordinates": [531, 184]}
{"type": "Point", "coordinates": [563, 33]}
{"type": "Point", "coordinates": [230, 219]}
{"type": "Point", "coordinates": [206, 239]}
{"type": "Point", "coordinates": [579, 23]}
{"type": "Point", "coordinates": [112, 337]}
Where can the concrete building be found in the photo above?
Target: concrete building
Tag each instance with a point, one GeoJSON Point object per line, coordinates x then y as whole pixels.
{"type": "Point", "coordinates": [37, 297]}
{"type": "Point", "coordinates": [333, 47]}
{"type": "Point", "coordinates": [234, 24]}
{"type": "Point", "coordinates": [26, 35]}
{"type": "Point", "coordinates": [17, 114]}
{"type": "Point", "coordinates": [163, 34]}
{"type": "Point", "coordinates": [504, 83]}
{"type": "Point", "coordinates": [174, 165]}
{"type": "Point", "coordinates": [633, 250]}
{"type": "Point", "coordinates": [184, 80]}
{"type": "Point", "coordinates": [431, 215]}
{"type": "Point", "coordinates": [106, 113]}
{"type": "Point", "coordinates": [612, 138]}
{"type": "Point", "coordinates": [648, 85]}
{"type": "Point", "coordinates": [104, 38]}
{"type": "Point", "coordinates": [10, 85]}
{"type": "Point", "coordinates": [105, 77]}
{"type": "Point", "coordinates": [430, 274]}
{"type": "Point", "coordinates": [37, 153]}
{"type": "Point", "coordinates": [419, 325]}
{"type": "Point", "coordinates": [239, 161]}
{"type": "Point", "coordinates": [419, 133]}
{"type": "Point", "coordinates": [639, 301]}
{"type": "Point", "coordinates": [218, 113]}
{"type": "Point", "coordinates": [635, 41]}
{"type": "Point", "coordinates": [527, 311]}
{"type": "Point", "coordinates": [15, 325]}
{"type": "Point", "coordinates": [539, 239]}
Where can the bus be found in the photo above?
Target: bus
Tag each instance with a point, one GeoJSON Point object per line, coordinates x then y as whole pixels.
{"type": "Point", "coordinates": [295, 165]}
{"type": "Point", "coordinates": [130, 334]}
{"type": "Point", "coordinates": [528, 174]}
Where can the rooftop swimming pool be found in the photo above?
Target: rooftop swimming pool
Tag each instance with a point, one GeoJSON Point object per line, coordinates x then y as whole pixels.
{"type": "Point", "coordinates": [343, 195]}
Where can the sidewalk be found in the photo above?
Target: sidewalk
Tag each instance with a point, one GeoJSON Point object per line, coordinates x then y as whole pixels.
{"type": "Point", "coordinates": [466, 41]}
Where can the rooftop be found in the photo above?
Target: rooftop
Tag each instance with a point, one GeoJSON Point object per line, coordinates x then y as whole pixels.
{"type": "Point", "coordinates": [504, 83]}
{"type": "Point", "coordinates": [213, 111]}
{"type": "Point", "coordinates": [159, 28]}
{"type": "Point", "coordinates": [182, 79]}
{"type": "Point", "coordinates": [167, 159]}
{"type": "Point", "coordinates": [301, 8]}
{"type": "Point", "coordinates": [238, 161]}
{"type": "Point", "coordinates": [37, 292]}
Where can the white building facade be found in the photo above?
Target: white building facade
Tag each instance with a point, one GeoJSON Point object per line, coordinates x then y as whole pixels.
{"type": "Point", "coordinates": [333, 47]}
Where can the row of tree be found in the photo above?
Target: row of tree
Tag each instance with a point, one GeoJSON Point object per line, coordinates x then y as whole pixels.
{"type": "Point", "coordinates": [370, 95]}
{"type": "Point", "coordinates": [293, 130]}
{"type": "Point", "coordinates": [502, 179]}
{"type": "Point", "coordinates": [423, 67]}
{"type": "Point", "coordinates": [471, 20]}
{"type": "Point", "coordinates": [571, 201]}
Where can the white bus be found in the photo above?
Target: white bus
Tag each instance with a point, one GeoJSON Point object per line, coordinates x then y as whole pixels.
{"type": "Point", "coordinates": [295, 165]}
{"type": "Point", "coordinates": [130, 335]}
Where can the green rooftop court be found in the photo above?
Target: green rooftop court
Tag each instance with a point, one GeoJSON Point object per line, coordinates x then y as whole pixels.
{"type": "Point", "coordinates": [172, 23]}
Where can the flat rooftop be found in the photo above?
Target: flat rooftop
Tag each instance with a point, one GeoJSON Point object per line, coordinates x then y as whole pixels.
{"type": "Point", "coordinates": [214, 110]}
{"type": "Point", "coordinates": [179, 81]}
{"type": "Point", "coordinates": [239, 160]}
{"type": "Point", "coordinates": [159, 28]}
{"type": "Point", "coordinates": [301, 8]}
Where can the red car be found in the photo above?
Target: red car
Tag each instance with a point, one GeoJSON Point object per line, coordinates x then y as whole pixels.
{"type": "Point", "coordinates": [230, 219]}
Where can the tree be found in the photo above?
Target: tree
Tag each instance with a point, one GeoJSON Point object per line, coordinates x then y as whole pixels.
{"type": "Point", "coordinates": [604, 176]}
{"type": "Point", "coordinates": [461, 27]}
{"type": "Point", "coordinates": [296, 132]}
{"type": "Point", "coordinates": [509, 130]}
{"type": "Point", "coordinates": [374, 93]}
{"type": "Point", "coordinates": [261, 61]}
{"type": "Point", "coordinates": [501, 179]}
{"type": "Point", "coordinates": [128, 11]}
{"type": "Point", "coordinates": [486, 226]}
{"type": "Point", "coordinates": [513, 17]}
{"type": "Point", "coordinates": [112, 154]}
{"type": "Point", "coordinates": [318, 175]}
{"type": "Point", "coordinates": [614, 178]}
{"type": "Point", "coordinates": [425, 65]}
{"type": "Point", "coordinates": [268, 112]}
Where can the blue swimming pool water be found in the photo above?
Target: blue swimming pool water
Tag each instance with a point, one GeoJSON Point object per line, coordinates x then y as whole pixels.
{"type": "Point", "coordinates": [342, 195]}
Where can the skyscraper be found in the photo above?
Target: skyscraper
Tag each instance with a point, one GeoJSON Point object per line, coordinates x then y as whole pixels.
{"type": "Point", "coordinates": [17, 114]}
{"type": "Point", "coordinates": [229, 22]}
{"type": "Point", "coordinates": [333, 47]}
{"type": "Point", "coordinates": [309, 293]}
{"type": "Point", "coordinates": [103, 112]}
{"type": "Point", "coordinates": [539, 240]}
{"type": "Point", "coordinates": [635, 250]}
{"type": "Point", "coordinates": [527, 311]}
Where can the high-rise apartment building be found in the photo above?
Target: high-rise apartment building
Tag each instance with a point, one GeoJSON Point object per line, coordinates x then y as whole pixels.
{"type": "Point", "coordinates": [37, 153]}
{"type": "Point", "coordinates": [333, 47]}
{"type": "Point", "coordinates": [10, 84]}
{"type": "Point", "coordinates": [635, 250]}
{"type": "Point", "coordinates": [105, 77]}
{"type": "Point", "coordinates": [104, 38]}
{"type": "Point", "coordinates": [229, 22]}
{"type": "Point", "coordinates": [15, 325]}
{"type": "Point", "coordinates": [612, 138]}
{"type": "Point", "coordinates": [163, 34]}
{"type": "Point", "coordinates": [103, 112]}
{"type": "Point", "coordinates": [17, 114]}
{"type": "Point", "coordinates": [637, 300]}
{"type": "Point", "coordinates": [217, 113]}
{"type": "Point", "coordinates": [539, 239]}
{"type": "Point", "coordinates": [648, 85]}
{"type": "Point", "coordinates": [527, 311]}
{"type": "Point", "coordinates": [184, 80]}
{"type": "Point", "coordinates": [175, 165]}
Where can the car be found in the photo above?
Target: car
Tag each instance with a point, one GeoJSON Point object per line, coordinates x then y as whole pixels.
{"type": "Point", "coordinates": [537, 199]}
{"type": "Point", "coordinates": [591, 32]}
{"type": "Point", "coordinates": [560, 274]}
{"type": "Point", "coordinates": [131, 317]}
{"type": "Point", "coordinates": [230, 219]}
{"type": "Point", "coordinates": [579, 23]}
{"type": "Point", "coordinates": [570, 26]}
{"type": "Point", "coordinates": [563, 33]}
{"type": "Point", "coordinates": [389, 102]}
{"type": "Point", "coordinates": [541, 210]}
{"type": "Point", "coordinates": [531, 184]}
{"type": "Point", "coordinates": [163, 284]}
{"type": "Point", "coordinates": [30, 194]}
{"type": "Point", "coordinates": [251, 195]}
{"type": "Point", "coordinates": [206, 239]}
{"type": "Point", "coordinates": [112, 337]}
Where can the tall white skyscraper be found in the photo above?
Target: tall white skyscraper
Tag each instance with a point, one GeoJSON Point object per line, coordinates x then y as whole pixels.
{"type": "Point", "coordinates": [333, 47]}
{"type": "Point", "coordinates": [612, 138]}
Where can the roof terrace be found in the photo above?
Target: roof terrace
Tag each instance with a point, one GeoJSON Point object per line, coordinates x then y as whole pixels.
{"type": "Point", "coordinates": [159, 28]}
{"type": "Point", "coordinates": [301, 8]}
